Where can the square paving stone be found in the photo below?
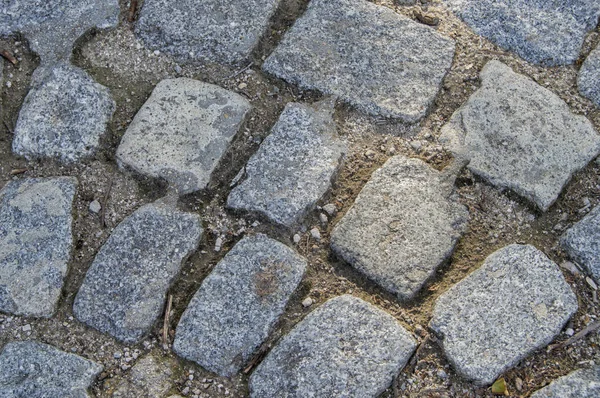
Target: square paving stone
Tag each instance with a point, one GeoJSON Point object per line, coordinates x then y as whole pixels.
{"type": "Point", "coordinates": [35, 243]}
{"type": "Point", "coordinates": [238, 304]}
{"type": "Point", "coordinates": [345, 348]}
{"type": "Point", "coordinates": [588, 79]}
{"type": "Point", "coordinates": [582, 243]}
{"type": "Point", "coordinates": [582, 383]}
{"type": "Point", "coordinates": [371, 57]}
{"type": "Point", "coordinates": [181, 132]}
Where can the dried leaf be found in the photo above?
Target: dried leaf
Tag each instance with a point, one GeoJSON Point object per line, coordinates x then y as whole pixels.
{"type": "Point", "coordinates": [499, 387]}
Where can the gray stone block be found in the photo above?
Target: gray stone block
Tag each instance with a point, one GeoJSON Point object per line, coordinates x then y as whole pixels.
{"type": "Point", "coordinates": [582, 243]}
{"type": "Point", "coordinates": [516, 303]}
{"type": "Point", "coordinates": [548, 32]}
{"type": "Point", "coordinates": [520, 136]}
{"type": "Point", "coordinates": [368, 55]}
{"type": "Point", "coordinates": [182, 131]}
{"type": "Point", "coordinates": [238, 304]}
{"type": "Point", "coordinates": [582, 383]}
{"type": "Point", "coordinates": [345, 348]}
{"type": "Point", "coordinates": [35, 370]}
{"type": "Point", "coordinates": [293, 167]}
{"type": "Point", "coordinates": [35, 243]}
{"type": "Point", "coordinates": [124, 290]}
{"type": "Point", "coordinates": [403, 225]}
{"type": "Point", "coordinates": [588, 80]}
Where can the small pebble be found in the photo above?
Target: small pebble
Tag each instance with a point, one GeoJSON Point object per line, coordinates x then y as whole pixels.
{"type": "Point", "coordinates": [242, 86]}
{"type": "Point", "coordinates": [218, 244]}
{"type": "Point", "coordinates": [591, 283]}
{"type": "Point", "coordinates": [330, 209]}
{"type": "Point", "coordinates": [307, 302]}
{"type": "Point", "coordinates": [519, 383]}
{"type": "Point", "coordinates": [27, 328]}
{"type": "Point", "coordinates": [323, 218]}
{"type": "Point", "coordinates": [569, 332]}
{"type": "Point", "coordinates": [297, 238]}
{"type": "Point", "coordinates": [315, 233]}
{"type": "Point", "coordinates": [95, 207]}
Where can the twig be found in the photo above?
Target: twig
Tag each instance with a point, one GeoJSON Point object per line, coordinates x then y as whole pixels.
{"type": "Point", "coordinates": [166, 322]}
{"type": "Point", "coordinates": [132, 9]}
{"type": "Point", "coordinates": [592, 327]}
{"type": "Point", "coordinates": [6, 54]}
{"type": "Point", "coordinates": [8, 128]}
{"type": "Point", "coordinates": [15, 172]}
{"type": "Point", "coordinates": [105, 203]}
{"type": "Point", "coordinates": [240, 71]}
{"type": "Point", "coordinates": [262, 351]}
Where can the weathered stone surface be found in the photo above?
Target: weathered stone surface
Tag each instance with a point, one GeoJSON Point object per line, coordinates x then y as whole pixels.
{"type": "Point", "coordinates": [293, 167]}
{"type": "Point", "coordinates": [35, 243]}
{"type": "Point", "coordinates": [548, 32]}
{"type": "Point", "coordinates": [151, 376]}
{"type": "Point", "coordinates": [521, 136]}
{"type": "Point", "coordinates": [582, 243]}
{"type": "Point", "coordinates": [588, 79]}
{"type": "Point", "coordinates": [34, 370]}
{"type": "Point", "coordinates": [124, 290]}
{"type": "Point", "coordinates": [52, 27]}
{"type": "Point", "coordinates": [63, 116]}
{"type": "Point", "coordinates": [215, 30]}
{"type": "Point", "coordinates": [182, 131]}
{"type": "Point", "coordinates": [345, 348]}
{"type": "Point", "coordinates": [513, 305]}
{"type": "Point", "coordinates": [238, 304]}
{"type": "Point", "coordinates": [582, 383]}
{"type": "Point", "coordinates": [368, 55]}
{"type": "Point", "coordinates": [402, 226]}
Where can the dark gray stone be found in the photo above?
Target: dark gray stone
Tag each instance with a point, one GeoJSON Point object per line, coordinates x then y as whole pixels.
{"type": "Point", "coordinates": [368, 55]}
{"type": "Point", "coordinates": [182, 131]}
{"type": "Point", "coordinates": [293, 167]}
{"type": "Point", "coordinates": [238, 304]}
{"type": "Point", "coordinates": [516, 303]}
{"type": "Point", "coordinates": [582, 243]}
{"type": "Point", "coordinates": [520, 136]}
{"type": "Point", "coordinates": [35, 370]}
{"type": "Point", "coordinates": [582, 383]}
{"type": "Point", "coordinates": [35, 243]}
{"type": "Point", "coordinates": [403, 225]}
{"type": "Point", "coordinates": [215, 30]}
{"type": "Point", "coordinates": [345, 348]}
{"type": "Point", "coordinates": [63, 116]}
{"type": "Point", "coordinates": [588, 79]}
{"type": "Point", "coordinates": [548, 32]}
{"type": "Point", "coordinates": [124, 290]}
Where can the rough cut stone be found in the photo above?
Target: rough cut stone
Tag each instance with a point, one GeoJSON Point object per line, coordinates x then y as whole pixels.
{"type": "Point", "coordinates": [515, 304]}
{"type": "Point", "coordinates": [582, 383]}
{"type": "Point", "coordinates": [582, 243]}
{"type": "Point", "coordinates": [368, 55]}
{"type": "Point", "coordinates": [214, 30]}
{"type": "Point", "coordinates": [548, 32]}
{"type": "Point", "coordinates": [521, 136]}
{"type": "Point", "coordinates": [182, 131]}
{"type": "Point", "coordinates": [238, 304]}
{"type": "Point", "coordinates": [403, 225]}
{"type": "Point", "coordinates": [124, 290]}
{"type": "Point", "coordinates": [588, 79]}
{"type": "Point", "coordinates": [345, 348]}
{"type": "Point", "coordinates": [293, 167]}
{"type": "Point", "coordinates": [34, 370]}
{"type": "Point", "coordinates": [149, 377]}
{"type": "Point", "coordinates": [63, 116]}
{"type": "Point", "coordinates": [35, 243]}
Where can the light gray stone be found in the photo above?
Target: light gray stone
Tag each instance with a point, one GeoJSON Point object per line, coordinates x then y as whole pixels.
{"type": "Point", "coordinates": [368, 55]}
{"type": "Point", "coordinates": [345, 348]}
{"type": "Point", "coordinates": [238, 304]}
{"type": "Point", "coordinates": [35, 243]}
{"type": "Point", "coordinates": [182, 131]}
{"type": "Point", "coordinates": [516, 303]}
{"type": "Point", "coordinates": [63, 116]}
{"type": "Point", "coordinates": [588, 79]}
{"type": "Point", "coordinates": [124, 290]}
{"type": "Point", "coordinates": [582, 243]}
{"type": "Point", "coordinates": [403, 225]}
{"type": "Point", "coordinates": [52, 27]}
{"type": "Point", "coordinates": [215, 30]}
{"type": "Point", "coordinates": [582, 383]}
{"type": "Point", "coordinates": [150, 377]}
{"type": "Point", "coordinates": [548, 32]}
{"type": "Point", "coordinates": [520, 136]}
{"type": "Point", "coordinates": [293, 167]}
{"type": "Point", "coordinates": [35, 370]}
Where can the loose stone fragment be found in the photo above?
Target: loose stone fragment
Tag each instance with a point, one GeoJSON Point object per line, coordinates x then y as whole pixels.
{"type": "Point", "coordinates": [403, 225]}
{"type": "Point", "coordinates": [521, 136]}
{"type": "Point", "coordinates": [515, 304]}
{"type": "Point", "coordinates": [63, 116]}
{"type": "Point", "coordinates": [35, 243]}
{"type": "Point", "coordinates": [238, 304]}
{"type": "Point", "coordinates": [582, 383]}
{"type": "Point", "coordinates": [182, 131]}
{"type": "Point", "coordinates": [588, 79]}
{"type": "Point", "coordinates": [345, 348]}
{"type": "Point", "coordinates": [124, 290]}
{"type": "Point", "coordinates": [149, 377]}
{"type": "Point", "coordinates": [582, 243]}
{"type": "Point", "coordinates": [34, 370]}
{"type": "Point", "coordinates": [215, 30]}
{"type": "Point", "coordinates": [293, 167]}
{"type": "Point", "coordinates": [371, 57]}
{"type": "Point", "coordinates": [548, 32]}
